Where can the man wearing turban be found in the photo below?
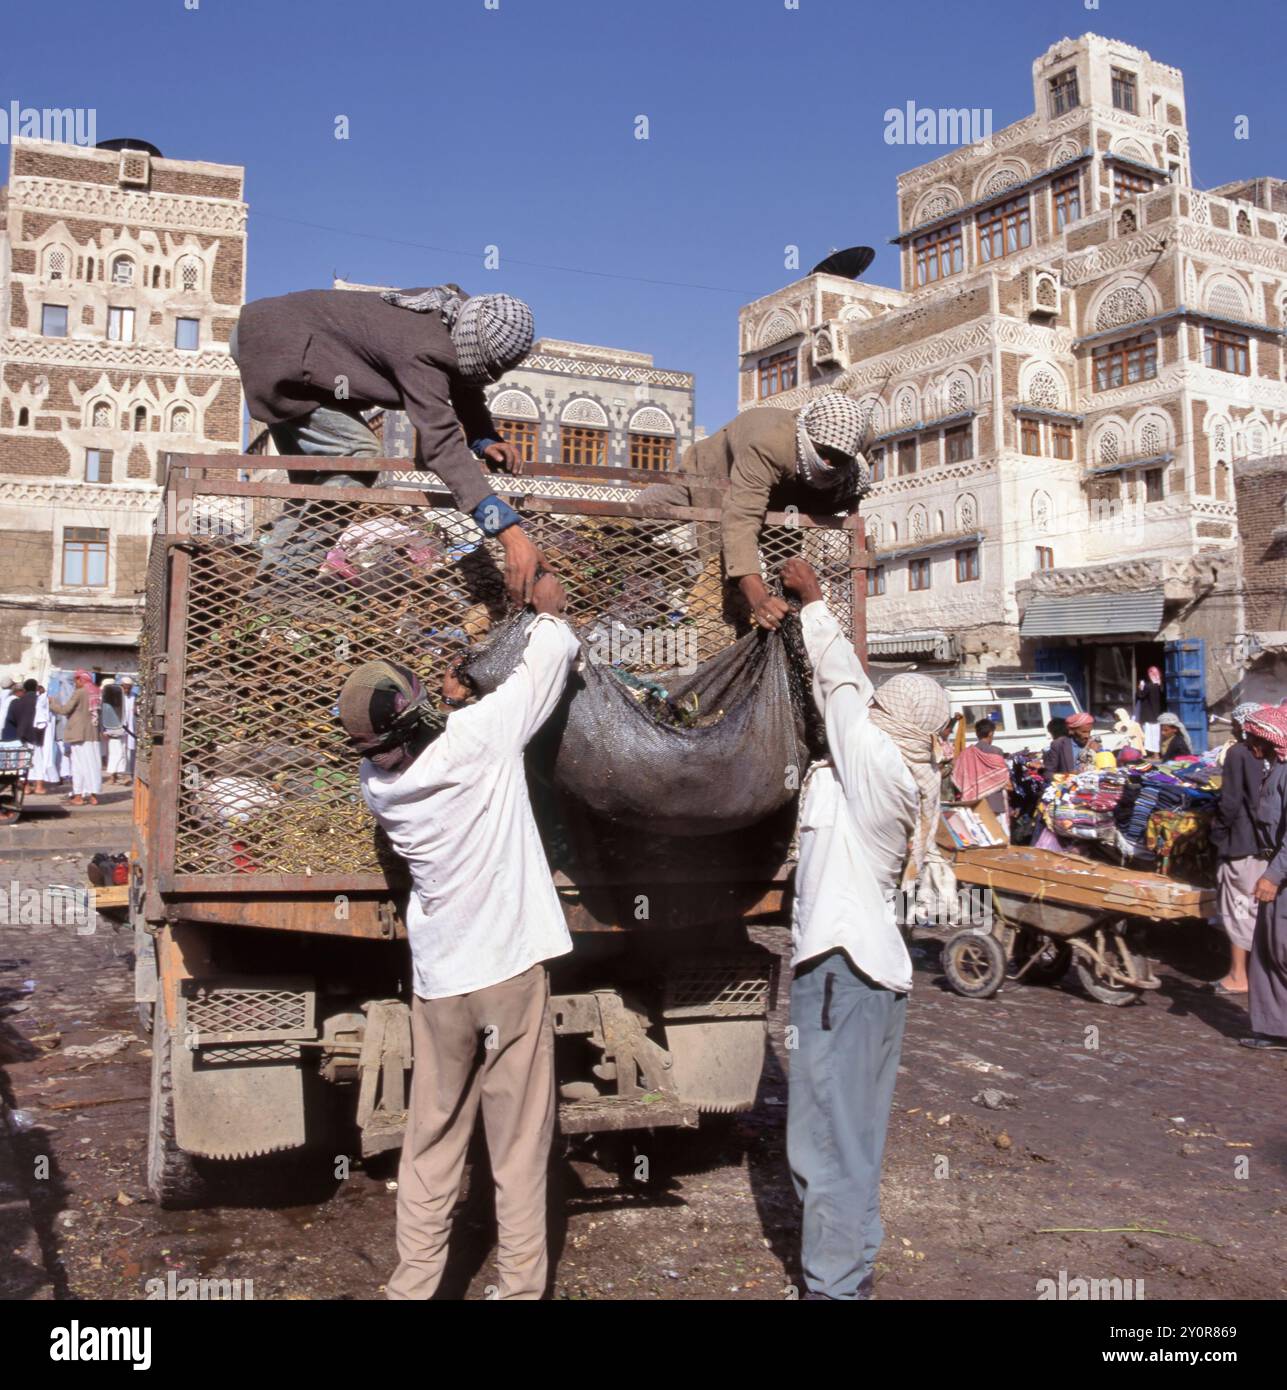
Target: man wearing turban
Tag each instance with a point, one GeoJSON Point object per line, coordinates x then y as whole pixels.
{"type": "Point", "coordinates": [483, 917]}
{"type": "Point", "coordinates": [1233, 833]}
{"type": "Point", "coordinates": [768, 459]}
{"type": "Point", "coordinates": [867, 818]}
{"type": "Point", "coordinates": [312, 362]}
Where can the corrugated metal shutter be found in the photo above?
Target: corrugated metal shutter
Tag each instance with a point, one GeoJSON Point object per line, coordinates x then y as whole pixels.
{"type": "Point", "coordinates": [939, 645]}
{"type": "Point", "coordinates": [1093, 615]}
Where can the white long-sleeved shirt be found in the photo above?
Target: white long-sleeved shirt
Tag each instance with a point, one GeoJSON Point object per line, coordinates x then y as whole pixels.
{"type": "Point", "coordinates": [857, 815]}
{"type": "Point", "coordinates": [483, 907]}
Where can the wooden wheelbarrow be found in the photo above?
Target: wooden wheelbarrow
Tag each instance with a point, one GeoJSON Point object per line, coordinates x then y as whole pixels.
{"type": "Point", "coordinates": [1041, 912]}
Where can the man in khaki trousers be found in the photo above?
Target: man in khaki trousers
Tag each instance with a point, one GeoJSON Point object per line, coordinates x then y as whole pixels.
{"type": "Point", "coordinates": [493, 1048]}
{"type": "Point", "coordinates": [483, 917]}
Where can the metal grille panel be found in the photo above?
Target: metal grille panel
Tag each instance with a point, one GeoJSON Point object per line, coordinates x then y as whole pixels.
{"type": "Point", "coordinates": [250, 1052]}
{"type": "Point", "coordinates": [227, 1013]}
{"type": "Point", "coordinates": [710, 986]}
{"type": "Point", "coordinates": [267, 784]}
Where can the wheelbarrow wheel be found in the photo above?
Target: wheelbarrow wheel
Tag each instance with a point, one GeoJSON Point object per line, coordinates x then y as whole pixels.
{"type": "Point", "coordinates": [1049, 958]}
{"type": "Point", "coordinates": [974, 964]}
{"type": "Point", "coordinates": [1100, 986]}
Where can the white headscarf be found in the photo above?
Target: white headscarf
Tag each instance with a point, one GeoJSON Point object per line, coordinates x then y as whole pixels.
{"type": "Point", "coordinates": [912, 709]}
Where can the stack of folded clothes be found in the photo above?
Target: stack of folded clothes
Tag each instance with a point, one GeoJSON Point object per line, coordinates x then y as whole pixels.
{"type": "Point", "coordinates": [1164, 817]}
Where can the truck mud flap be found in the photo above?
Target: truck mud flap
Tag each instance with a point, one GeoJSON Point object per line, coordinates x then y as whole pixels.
{"type": "Point", "coordinates": [715, 1023]}
{"type": "Point", "coordinates": [237, 1069]}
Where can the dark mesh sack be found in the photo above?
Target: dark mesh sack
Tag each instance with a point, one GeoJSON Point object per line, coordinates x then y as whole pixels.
{"type": "Point", "coordinates": [727, 745]}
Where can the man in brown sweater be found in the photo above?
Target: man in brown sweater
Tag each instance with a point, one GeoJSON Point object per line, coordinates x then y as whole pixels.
{"type": "Point", "coordinates": [312, 362]}
{"type": "Point", "coordinates": [767, 459]}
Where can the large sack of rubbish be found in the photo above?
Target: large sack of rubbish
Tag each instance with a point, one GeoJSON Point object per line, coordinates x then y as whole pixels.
{"type": "Point", "coordinates": [716, 749]}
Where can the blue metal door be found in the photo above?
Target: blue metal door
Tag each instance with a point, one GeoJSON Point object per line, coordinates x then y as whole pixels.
{"type": "Point", "coordinates": [1186, 687]}
{"type": "Point", "coordinates": [1067, 662]}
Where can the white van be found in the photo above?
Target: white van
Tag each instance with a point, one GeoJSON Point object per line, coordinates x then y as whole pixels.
{"type": "Point", "coordinates": [1020, 704]}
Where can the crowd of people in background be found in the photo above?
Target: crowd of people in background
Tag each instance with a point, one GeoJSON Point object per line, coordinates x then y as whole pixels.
{"type": "Point", "coordinates": [1248, 830]}
{"type": "Point", "coordinates": [71, 733]}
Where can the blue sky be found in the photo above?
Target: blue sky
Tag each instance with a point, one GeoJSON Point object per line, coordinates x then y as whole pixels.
{"type": "Point", "coordinates": [515, 127]}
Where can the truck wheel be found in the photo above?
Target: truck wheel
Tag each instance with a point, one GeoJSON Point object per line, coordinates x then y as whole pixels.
{"type": "Point", "coordinates": [173, 1178]}
{"type": "Point", "coordinates": [974, 964]}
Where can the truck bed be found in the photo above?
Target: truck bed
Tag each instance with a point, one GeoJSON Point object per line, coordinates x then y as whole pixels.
{"type": "Point", "coordinates": [252, 797]}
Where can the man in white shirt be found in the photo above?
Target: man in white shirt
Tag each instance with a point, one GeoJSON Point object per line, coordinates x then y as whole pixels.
{"type": "Point", "coordinates": [482, 919]}
{"type": "Point", "coordinates": [861, 812]}
{"type": "Point", "coordinates": [129, 699]}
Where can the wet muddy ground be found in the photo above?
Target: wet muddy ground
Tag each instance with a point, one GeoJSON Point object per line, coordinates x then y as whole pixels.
{"type": "Point", "coordinates": [1147, 1118]}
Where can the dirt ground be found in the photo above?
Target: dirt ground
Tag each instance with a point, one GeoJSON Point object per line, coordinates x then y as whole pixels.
{"type": "Point", "coordinates": [1148, 1118]}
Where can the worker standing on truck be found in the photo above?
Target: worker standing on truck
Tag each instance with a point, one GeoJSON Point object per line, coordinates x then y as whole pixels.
{"type": "Point", "coordinates": [311, 362]}
{"type": "Point", "coordinates": [865, 815]}
{"type": "Point", "coordinates": [483, 917]}
{"type": "Point", "coordinates": [771, 459]}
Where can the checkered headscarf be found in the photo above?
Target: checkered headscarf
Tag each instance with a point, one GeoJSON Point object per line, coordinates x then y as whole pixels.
{"type": "Point", "coordinates": [1240, 713]}
{"type": "Point", "coordinates": [490, 332]}
{"type": "Point", "coordinates": [834, 421]}
{"type": "Point", "coordinates": [831, 421]}
{"type": "Point", "coordinates": [1269, 722]}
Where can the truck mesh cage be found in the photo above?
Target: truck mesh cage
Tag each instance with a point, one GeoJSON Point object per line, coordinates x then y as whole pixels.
{"type": "Point", "coordinates": [264, 782]}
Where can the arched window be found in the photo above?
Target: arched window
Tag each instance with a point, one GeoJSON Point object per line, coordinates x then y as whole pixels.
{"type": "Point", "coordinates": [122, 270]}
{"type": "Point", "coordinates": [89, 267]}
{"type": "Point", "coordinates": [652, 439]}
{"type": "Point", "coordinates": [101, 416]}
{"type": "Point", "coordinates": [518, 420]}
{"type": "Point", "coordinates": [189, 274]}
{"type": "Point", "coordinates": [140, 417]}
{"type": "Point", "coordinates": [180, 420]}
{"type": "Point", "coordinates": [584, 432]}
{"type": "Point", "coordinates": [1044, 390]}
{"type": "Point", "coordinates": [1121, 306]}
{"type": "Point", "coordinates": [156, 277]}
{"type": "Point", "coordinates": [57, 263]}
{"type": "Point", "coordinates": [24, 418]}
{"type": "Point", "coordinates": [1244, 224]}
{"type": "Point", "coordinates": [1228, 299]}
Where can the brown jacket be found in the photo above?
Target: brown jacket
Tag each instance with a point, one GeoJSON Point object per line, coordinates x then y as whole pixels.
{"type": "Point", "coordinates": [295, 351]}
{"type": "Point", "coordinates": [82, 722]}
{"type": "Point", "coordinates": [755, 455]}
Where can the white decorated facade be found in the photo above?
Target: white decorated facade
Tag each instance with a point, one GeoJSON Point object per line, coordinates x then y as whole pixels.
{"type": "Point", "coordinates": [1082, 346]}
{"type": "Point", "coordinates": [121, 276]}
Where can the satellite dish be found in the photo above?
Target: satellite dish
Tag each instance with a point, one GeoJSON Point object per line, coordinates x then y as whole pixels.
{"type": "Point", "coordinates": [850, 263]}
{"type": "Point", "coordinates": [129, 143]}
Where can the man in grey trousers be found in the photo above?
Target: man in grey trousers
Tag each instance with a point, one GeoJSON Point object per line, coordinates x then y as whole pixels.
{"type": "Point", "coordinates": [865, 814]}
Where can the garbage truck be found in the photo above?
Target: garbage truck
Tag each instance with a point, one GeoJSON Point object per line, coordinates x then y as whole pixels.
{"type": "Point", "coordinates": [271, 954]}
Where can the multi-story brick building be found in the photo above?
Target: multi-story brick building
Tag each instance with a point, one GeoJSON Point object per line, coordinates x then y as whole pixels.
{"type": "Point", "coordinates": [121, 276]}
{"type": "Point", "coordinates": [1260, 486]}
{"type": "Point", "coordinates": [575, 403]}
{"type": "Point", "coordinates": [1082, 345]}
